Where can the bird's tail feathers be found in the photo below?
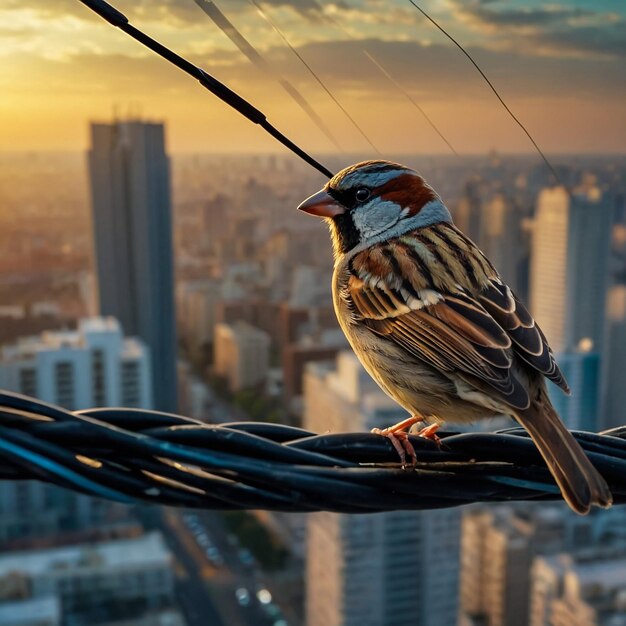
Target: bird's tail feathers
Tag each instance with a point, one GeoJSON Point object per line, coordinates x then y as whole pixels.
{"type": "Point", "coordinates": [580, 482]}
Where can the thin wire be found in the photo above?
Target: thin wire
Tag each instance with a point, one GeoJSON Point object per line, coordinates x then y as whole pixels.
{"type": "Point", "coordinates": [214, 13]}
{"type": "Point", "coordinates": [410, 99]}
{"type": "Point", "coordinates": [273, 24]}
{"type": "Point", "coordinates": [495, 91]}
{"type": "Point", "coordinates": [385, 73]}
{"type": "Point", "coordinates": [234, 100]}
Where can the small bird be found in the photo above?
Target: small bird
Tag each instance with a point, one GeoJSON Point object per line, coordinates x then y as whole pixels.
{"type": "Point", "coordinates": [433, 323]}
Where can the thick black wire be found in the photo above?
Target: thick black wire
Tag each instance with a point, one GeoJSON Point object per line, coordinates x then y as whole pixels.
{"type": "Point", "coordinates": [133, 456]}
{"type": "Point", "coordinates": [234, 100]}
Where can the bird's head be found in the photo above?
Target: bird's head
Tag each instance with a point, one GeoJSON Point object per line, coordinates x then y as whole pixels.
{"type": "Point", "coordinates": [375, 201]}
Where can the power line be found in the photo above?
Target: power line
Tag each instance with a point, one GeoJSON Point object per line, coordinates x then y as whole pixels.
{"type": "Point", "coordinates": [411, 100]}
{"type": "Point", "coordinates": [386, 73]}
{"type": "Point", "coordinates": [234, 100]}
{"type": "Point", "coordinates": [495, 91]}
{"type": "Point", "coordinates": [273, 24]}
{"type": "Point", "coordinates": [256, 58]}
{"type": "Point", "coordinates": [136, 455]}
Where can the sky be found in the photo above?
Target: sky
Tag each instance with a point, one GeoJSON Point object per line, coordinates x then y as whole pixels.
{"type": "Point", "coordinates": [561, 67]}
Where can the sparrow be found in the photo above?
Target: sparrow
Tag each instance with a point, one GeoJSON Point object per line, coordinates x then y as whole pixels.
{"type": "Point", "coordinates": [432, 322]}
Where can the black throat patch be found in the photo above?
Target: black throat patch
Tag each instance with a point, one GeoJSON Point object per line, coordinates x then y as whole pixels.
{"type": "Point", "coordinates": [347, 232]}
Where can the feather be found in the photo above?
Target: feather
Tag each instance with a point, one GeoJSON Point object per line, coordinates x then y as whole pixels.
{"type": "Point", "coordinates": [416, 293]}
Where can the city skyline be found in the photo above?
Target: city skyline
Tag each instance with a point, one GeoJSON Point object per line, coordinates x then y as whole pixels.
{"type": "Point", "coordinates": [558, 66]}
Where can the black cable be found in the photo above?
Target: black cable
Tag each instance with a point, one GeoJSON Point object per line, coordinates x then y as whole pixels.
{"type": "Point", "coordinates": [234, 100]}
{"type": "Point", "coordinates": [408, 96]}
{"type": "Point", "coordinates": [133, 455]}
{"type": "Point", "coordinates": [491, 85]}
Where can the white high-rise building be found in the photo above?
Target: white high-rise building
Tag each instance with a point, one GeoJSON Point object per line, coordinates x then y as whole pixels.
{"type": "Point", "coordinates": [384, 569]}
{"type": "Point", "coordinates": [569, 265]}
{"type": "Point", "coordinates": [90, 367]}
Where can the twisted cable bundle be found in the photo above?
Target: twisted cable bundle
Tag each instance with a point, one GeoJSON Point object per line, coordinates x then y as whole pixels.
{"type": "Point", "coordinates": [135, 456]}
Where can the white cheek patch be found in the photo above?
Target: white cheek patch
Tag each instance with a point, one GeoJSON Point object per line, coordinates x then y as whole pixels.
{"type": "Point", "coordinates": [373, 220]}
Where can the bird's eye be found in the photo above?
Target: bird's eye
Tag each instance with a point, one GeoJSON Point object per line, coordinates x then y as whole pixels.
{"type": "Point", "coordinates": [362, 194]}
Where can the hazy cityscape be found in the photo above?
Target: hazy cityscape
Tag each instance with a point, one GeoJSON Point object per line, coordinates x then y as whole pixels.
{"type": "Point", "coordinates": [238, 324]}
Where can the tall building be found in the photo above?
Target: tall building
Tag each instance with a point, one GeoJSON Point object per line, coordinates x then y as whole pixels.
{"type": "Point", "coordinates": [197, 310]}
{"type": "Point", "coordinates": [581, 368]}
{"type": "Point", "coordinates": [579, 590]}
{"type": "Point", "coordinates": [501, 238]}
{"type": "Point", "coordinates": [613, 394]}
{"type": "Point", "coordinates": [242, 355]}
{"type": "Point", "coordinates": [569, 265]}
{"type": "Point", "coordinates": [385, 569]}
{"type": "Point", "coordinates": [130, 189]}
{"type": "Point", "coordinates": [499, 549]}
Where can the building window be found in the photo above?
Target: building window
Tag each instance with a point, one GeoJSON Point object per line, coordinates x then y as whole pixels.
{"type": "Point", "coordinates": [28, 381]}
{"type": "Point", "coordinates": [64, 383]}
{"type": "Point", "coordinates": [131, 393]}
{"type": "Point", "coordinates": [99, 377]}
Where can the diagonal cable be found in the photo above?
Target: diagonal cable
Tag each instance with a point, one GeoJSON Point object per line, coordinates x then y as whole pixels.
{"type": "Point", "coordinates": [492, 87]}
{"type": "Point", "coordinates": [234, 100]}
{"type": "Point", "coordinates": [311, 71]}
{"type": "Point", "coordinates": [411, 100]}
{"type": "Point", "coordinates": [386, 73]}
{"type": "Point", "coordinates": [257, 59]}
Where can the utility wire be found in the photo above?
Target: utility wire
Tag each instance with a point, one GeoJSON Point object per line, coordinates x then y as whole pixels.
{"type": "Point", "coordinates": [385, 72]}
{"type": "Point", "coordinates": [410, 99]}
{"type": "Point", "coordinates": [234, 100]}
{"type": "Point", "coordinates": [491, 85]}
{"type": "Point", "coordinates": [273, 24]}
{"type": "Point", "coordinates": [257, 59]}
{"type": "Point", "coordinates": [134, 456]}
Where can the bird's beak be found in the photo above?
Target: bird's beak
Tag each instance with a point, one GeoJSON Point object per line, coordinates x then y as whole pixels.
{"type": "Point", "coordinates": [322, 204]}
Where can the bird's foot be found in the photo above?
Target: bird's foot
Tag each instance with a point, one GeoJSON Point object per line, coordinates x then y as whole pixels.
{"type": "Point", "coordinates": [430, 433]}
{"type": "Point", "coordinates": [399, 437]}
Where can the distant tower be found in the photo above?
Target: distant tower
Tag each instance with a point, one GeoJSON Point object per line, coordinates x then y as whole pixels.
{"type": "Point", "coordinates": [501, 238]}
{"type": "Point", "coordinates": [581, 367]}
{"type": "Point", "coordinates": [130, 188]}
{"type": "Point", "coordinates": [569, 266]}
{"type": "Point", "coordinates": [613, 409]}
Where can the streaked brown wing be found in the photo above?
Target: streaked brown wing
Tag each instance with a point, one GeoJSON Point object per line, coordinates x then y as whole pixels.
{"type": "Point", "coordinates": [529, 343]}
{"type": "Point", "coordinates": [452, 332]}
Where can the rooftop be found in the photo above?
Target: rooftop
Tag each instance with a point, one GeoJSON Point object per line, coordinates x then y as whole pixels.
{"type": "Point", "coordinates": [44, 610]}
{"type": "Point", "coordinates": [147, 550]}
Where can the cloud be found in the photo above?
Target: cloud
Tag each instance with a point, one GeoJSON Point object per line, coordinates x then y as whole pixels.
{"type": "Point", "coordinates": [550, 29]}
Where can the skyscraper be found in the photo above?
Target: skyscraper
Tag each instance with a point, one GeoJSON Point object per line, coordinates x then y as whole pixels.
{"type": "Point", "coordinates": [613, 395]}
{"type": "Point", "coordinates": [581, 368]}
{"type": "Point", "coordinates": [569, 265]}
{"type": "Point", "coordinates": [130, 188]}
{"type": "Point", "coordinates": [386, 569]}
